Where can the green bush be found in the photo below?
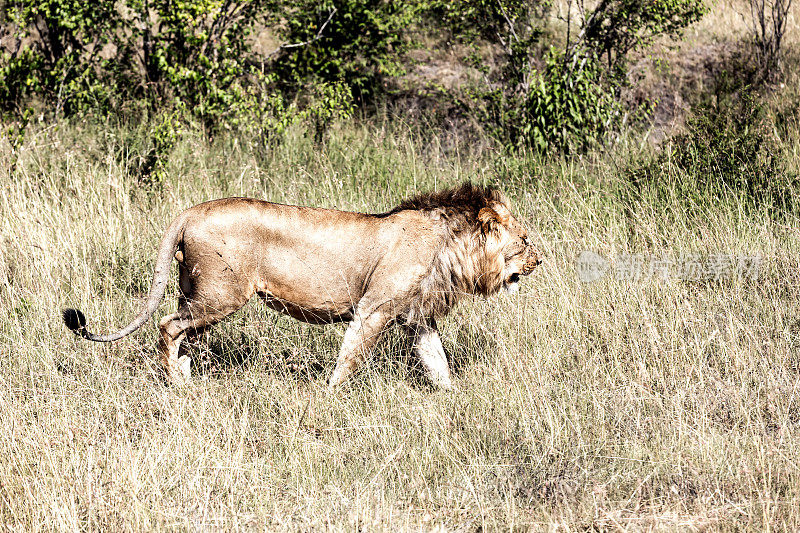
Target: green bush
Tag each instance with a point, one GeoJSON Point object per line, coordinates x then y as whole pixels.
{"type": "Point", "coordinates": [564, 98]}
{"type": "Point", "coordinates": [615, 27]}
{"type": "Point", "coordinates": [728, 146]}
{"type": "Point", "coordinates": [730, 141]}
{"type": "Point", "coordinates": [565, 107]}
{"type": "Point", "coordinates": [57, 53]}
{"type": "Point", "coordinates": [191, 54]}
{"type": "Point", "coordinates": [194, 59]}
{"type": "Point", "coordinates": [196, 54]}
{"type": "Point", "coordinates": [356, 43]}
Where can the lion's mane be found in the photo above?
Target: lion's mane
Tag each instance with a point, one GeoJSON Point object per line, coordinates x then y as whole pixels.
{"type": "Point", "coordinates": [463, 264]}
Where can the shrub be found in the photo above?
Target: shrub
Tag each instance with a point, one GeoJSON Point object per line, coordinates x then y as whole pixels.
{"type": "Point", "coordinates": [195, 57]}
{"type": "Point", "coordinates": [192, 54]}
{"type": "Point", "coordinates": [564, 108]}
{"type": "Point", "coordinates": [565, 98]}
{"type": "Point", "coordinates": [353, 43]}
{"type": "Point", "coordinates": [196, 54]}
{"type": "Point", "coordinates": [728, 146]}
{"type": "Point", "coordinates": [615, 27]}
{"type": "Point", "coordinates": [56, 53]}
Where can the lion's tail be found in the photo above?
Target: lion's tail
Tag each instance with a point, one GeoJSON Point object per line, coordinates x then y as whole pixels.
{"type": "Point", "coordinates": [76, 321]}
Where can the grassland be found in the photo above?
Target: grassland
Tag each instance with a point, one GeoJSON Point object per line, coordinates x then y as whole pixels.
{"type": "Point", "coordinates": [649, 404]}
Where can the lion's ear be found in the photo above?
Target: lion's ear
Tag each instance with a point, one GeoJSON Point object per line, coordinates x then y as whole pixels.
{"type": "Point", "coordinates": [489, 219]}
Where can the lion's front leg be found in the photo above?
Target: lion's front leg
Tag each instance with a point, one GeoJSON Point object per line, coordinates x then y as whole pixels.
{"type": "Point", "coordinates": [360, 337]}
{"type": "Point", "coordinates": [427, 345]}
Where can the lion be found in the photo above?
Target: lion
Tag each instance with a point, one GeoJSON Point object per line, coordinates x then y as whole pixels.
{"type": "Point", "coordinates": [410, 266]}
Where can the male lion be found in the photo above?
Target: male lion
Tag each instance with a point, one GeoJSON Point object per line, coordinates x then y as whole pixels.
{"type": "Point", "coordinates": [410, 265]}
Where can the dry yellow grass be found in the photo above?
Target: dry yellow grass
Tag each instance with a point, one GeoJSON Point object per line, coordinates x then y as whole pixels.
{"type": "Point", "coordinates": [641, 405]}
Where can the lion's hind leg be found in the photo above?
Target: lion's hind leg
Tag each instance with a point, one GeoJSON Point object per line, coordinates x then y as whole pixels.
{"type": "Point", "coordinates": [178, 369]}
{"type": "Point", "coordinates": [204, 301]}
{"type": "Point", "coordinates": [190, 319]}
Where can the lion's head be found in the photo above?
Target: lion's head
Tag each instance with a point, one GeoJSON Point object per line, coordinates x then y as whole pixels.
{"type": "Point", "coordinates": [508, 252]}
{"type": "Point", "coordinates": [486, 249]}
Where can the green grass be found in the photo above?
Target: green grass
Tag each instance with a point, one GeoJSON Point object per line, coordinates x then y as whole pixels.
{"type": "Point", "coordinates": [636, 405]}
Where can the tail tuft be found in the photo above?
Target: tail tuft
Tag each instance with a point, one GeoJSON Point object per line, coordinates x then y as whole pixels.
{"type": "Point", "coordinates": [74, 320]}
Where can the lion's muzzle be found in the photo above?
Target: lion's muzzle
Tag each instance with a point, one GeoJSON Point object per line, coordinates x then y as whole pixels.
{"type": "Point", "coordinates": [533, 260]}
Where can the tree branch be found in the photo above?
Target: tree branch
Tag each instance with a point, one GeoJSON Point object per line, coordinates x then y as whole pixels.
{"type": "Point", "coordinates": [304, 43]}
{"type": "Point", "coordinates": [508, 21]}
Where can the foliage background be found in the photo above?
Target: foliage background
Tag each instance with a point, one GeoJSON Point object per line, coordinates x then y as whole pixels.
{"type": "Point", "coordinates": [199, 57]}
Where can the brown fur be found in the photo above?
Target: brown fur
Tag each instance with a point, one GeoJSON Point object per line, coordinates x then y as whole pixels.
{"type": "Point", "coordinates": [411, 264]}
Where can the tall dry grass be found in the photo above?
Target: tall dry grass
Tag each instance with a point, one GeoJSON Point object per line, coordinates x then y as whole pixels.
{"type": "Point", "coordinates": [650, 404]}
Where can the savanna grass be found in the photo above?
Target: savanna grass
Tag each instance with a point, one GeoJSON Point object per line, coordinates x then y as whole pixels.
{"type": "Point", "coordinates": [646, 404]}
